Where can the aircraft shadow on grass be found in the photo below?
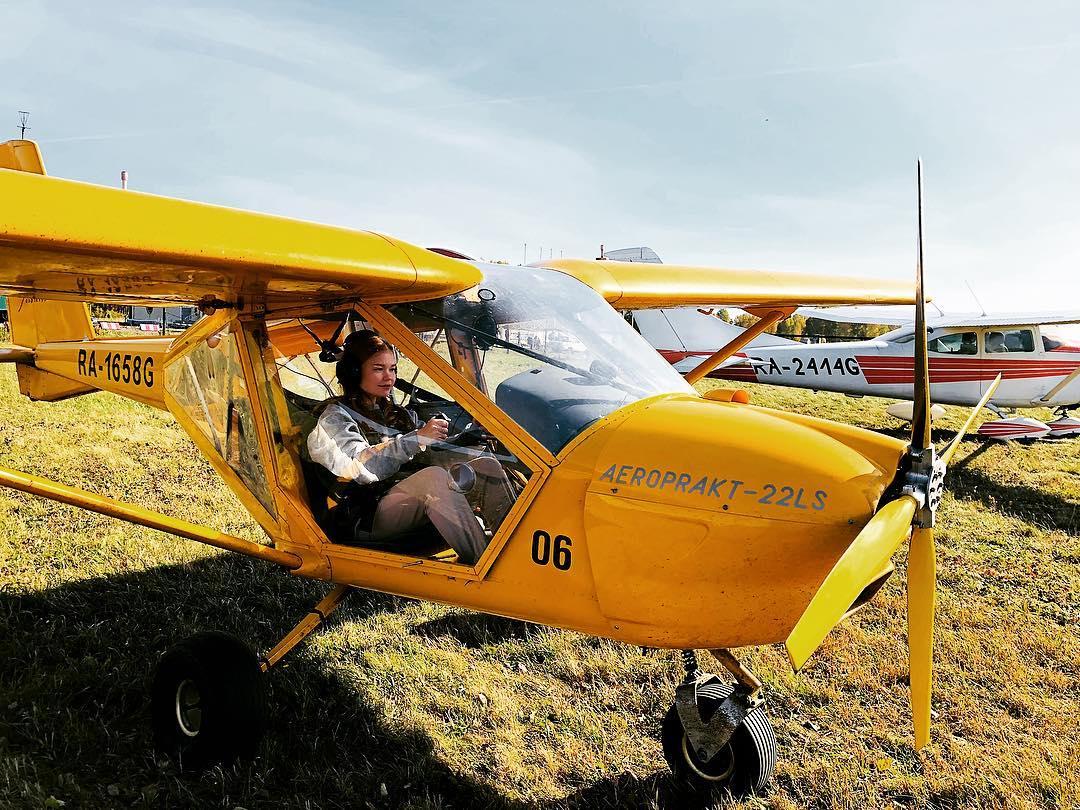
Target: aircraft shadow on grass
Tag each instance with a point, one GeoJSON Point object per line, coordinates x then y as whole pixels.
{"type": "Point", "coordinates": [76, 662]}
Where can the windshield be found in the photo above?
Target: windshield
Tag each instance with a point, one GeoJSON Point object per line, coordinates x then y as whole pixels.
{"type": "Point", "coordinates": [551, 353]}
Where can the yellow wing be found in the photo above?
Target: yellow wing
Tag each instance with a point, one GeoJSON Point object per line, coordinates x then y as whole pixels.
{"type": "Point", "coordinates": [61, 239]}
{"type": "Point", "coordinates": [633, 285]}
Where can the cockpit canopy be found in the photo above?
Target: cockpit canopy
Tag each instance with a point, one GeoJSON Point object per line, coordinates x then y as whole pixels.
{"type": "Point", "coordinates": [550, 352]}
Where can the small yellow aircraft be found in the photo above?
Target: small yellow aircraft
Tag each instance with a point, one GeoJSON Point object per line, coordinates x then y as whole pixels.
{"type": "Point", "coordinates": [636, 509]}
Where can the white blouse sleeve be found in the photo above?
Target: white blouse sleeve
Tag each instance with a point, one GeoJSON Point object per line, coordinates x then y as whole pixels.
{"type": "Point", "coordinates": [338, 444]}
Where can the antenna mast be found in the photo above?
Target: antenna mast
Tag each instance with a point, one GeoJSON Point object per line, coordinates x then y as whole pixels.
{"type": "Point", "coordinates": [982, 309]}
{"type": "Point", "coordinates": [24, 118]}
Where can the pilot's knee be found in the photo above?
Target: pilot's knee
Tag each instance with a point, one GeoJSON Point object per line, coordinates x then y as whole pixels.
{"type": "Point", "coordinates": [433, 477]}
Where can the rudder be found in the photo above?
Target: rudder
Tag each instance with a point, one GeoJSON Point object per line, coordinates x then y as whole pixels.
{"type": "Point", "coordinates": [34, 321]}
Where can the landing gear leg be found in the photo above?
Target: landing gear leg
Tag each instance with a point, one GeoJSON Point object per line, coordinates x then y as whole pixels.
{"type": "Point", "coordinates": [208, 699]}
{"type": "Point", "coordinates": [717, 735]}
{"type": "Point", "coordinates": [306, 626]}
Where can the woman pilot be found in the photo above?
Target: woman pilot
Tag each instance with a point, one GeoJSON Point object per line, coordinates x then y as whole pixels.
{"type": "Point", "coordinates": [364, 437]}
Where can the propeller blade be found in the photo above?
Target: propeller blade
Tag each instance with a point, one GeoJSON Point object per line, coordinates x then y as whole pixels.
{"type": "Point", "coordinates": [920, 421]}
{"type": "Point", "coordinates": [950, 449]}
{"type": "Point", "coordinates": [922, 597]}
{"type": "Point", "coordinates": [860, 562]}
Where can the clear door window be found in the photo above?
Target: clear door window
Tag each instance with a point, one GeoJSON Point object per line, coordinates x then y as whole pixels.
{"type": "Point", "coordinates": [955, 343]}
{"type": "Point", "coordinates": [1009, 341]}
{"type": "Point", "coordinates": [403, 469]}
{"type": "Point", "coordinates": [208, 384]}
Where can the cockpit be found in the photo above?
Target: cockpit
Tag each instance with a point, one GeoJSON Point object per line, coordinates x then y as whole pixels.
{"type": "Point", "coordinates": [536, 345]}
{"type": "Point", "coordinates": [550, 352]}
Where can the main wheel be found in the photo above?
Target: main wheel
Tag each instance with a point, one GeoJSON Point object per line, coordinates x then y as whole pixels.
{"type": "Point", "coordinates": [208, 701]}
{"type": "Point", "coordinates": [745, 764]}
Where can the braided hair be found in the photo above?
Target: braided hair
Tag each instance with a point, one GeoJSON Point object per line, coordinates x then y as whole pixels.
{"type": "Point", "coordinates": [358, 348]}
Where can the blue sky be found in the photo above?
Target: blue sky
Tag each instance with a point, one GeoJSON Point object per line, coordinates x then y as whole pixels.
{"type": "Point", "coordinates": [750, 134]}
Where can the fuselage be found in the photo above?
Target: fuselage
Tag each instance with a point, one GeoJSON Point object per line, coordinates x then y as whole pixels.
{"type": "Point", "coordinates": [641, 511]}
{"type": "Point", "coordinates": [1036, 371]}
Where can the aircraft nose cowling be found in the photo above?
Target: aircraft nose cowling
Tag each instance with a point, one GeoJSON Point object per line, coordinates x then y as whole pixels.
{"type": "Point", "coordinates": [719, 520]}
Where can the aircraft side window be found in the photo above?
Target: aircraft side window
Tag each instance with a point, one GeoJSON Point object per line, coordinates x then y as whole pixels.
{"type": "Point", "coordinates": [390, 461]}
{"type": "Point", "coordinates": [955, 343]}
{"type": "Point", "coordinates": [209, 385]}
{"type": "Point", "coordinates": [1011, 340]}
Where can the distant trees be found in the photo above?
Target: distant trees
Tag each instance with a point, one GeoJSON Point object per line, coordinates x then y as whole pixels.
{"type": "Point", "coordinates": [851, 331]}
{"type": "Point", "coordinates": [798, 326]}
{"type": "Point", "coordinates": [795, 325]}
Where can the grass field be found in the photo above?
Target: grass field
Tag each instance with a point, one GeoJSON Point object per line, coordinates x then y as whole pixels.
{"type": "Point", "coordinates": [409, 705]}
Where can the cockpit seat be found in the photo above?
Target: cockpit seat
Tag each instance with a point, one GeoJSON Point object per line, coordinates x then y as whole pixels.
{"type": "Point", "coordinates": [338, 520]}
{"type": "Point", "coordinates": [342, 511]}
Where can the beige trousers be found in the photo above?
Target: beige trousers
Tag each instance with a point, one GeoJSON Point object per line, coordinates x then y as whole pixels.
{"type": "Point", "coordinates": [432, 493]}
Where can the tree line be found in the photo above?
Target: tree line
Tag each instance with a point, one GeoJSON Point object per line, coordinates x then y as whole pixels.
{"type": "Point", "coordinates": [798, 326]}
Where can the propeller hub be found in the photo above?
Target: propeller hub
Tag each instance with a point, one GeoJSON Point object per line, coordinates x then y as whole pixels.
{"type": "Point", "coordinates": [925, 482]}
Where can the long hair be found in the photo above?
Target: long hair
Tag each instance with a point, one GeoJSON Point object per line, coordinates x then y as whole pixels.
{"type": "Point", "coordinates": [358, 348]}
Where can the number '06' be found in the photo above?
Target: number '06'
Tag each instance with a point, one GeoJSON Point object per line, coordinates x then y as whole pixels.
{"type": "Point", "coordinates": [557, 553]}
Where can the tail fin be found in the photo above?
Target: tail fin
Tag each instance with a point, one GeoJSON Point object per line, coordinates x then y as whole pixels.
{"type": "Point", "coordinates": [35, 321]}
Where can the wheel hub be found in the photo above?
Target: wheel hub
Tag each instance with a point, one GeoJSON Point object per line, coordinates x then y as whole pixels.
{"type": "Point", "coordinates": [725, 759]}
{"type": "Point", "coordinates": [188, 708]}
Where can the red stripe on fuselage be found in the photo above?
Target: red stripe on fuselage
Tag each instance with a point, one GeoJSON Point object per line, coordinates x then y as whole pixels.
{"type": "Point", "coordinates": [891, 370]}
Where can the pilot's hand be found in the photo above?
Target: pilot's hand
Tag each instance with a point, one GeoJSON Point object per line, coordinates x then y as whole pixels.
{"type": "Point", "coordinates": [434, 430]}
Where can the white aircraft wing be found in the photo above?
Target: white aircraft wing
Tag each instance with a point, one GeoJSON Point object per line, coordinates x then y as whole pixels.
{"type": "Point", "coordinates": [1005, 319]}
{"type": "Point", "coordinates": [900, 316]}
{"type": "Point", "coordinates": [692, 329]}
{"type": "Point", "coordinates": [894, 316]}
{"type": "Point", "coordinates": [633, 254]}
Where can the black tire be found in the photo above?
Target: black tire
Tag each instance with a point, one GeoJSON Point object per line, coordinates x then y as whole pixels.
{"type": "Point", "coordinates": [744, 765]}
{"type": "Point", "coordinates": [208, 701]}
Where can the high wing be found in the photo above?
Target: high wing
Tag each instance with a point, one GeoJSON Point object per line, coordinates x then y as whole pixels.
{"type": "Point", "coordinates": [1006, 319]}
{"type": "Point", "coordinates": [901, 317]}
{"type": "Point", "coordinates": [61, 239]}
{"type": "Point", "coordinates": [644, 285]}
{"type": "Point", "coordinates": [893, 316]}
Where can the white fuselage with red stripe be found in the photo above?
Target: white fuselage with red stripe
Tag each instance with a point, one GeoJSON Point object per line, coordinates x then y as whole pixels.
{"type": "Point", "coordinates": [963, 363]}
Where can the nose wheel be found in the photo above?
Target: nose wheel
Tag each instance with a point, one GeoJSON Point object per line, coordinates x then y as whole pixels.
{"type": "Point", "coordinates": [717, 736]}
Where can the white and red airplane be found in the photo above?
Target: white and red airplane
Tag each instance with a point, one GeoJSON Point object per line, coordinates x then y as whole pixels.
{"type": "Point", "coordinates": [1039, 369]}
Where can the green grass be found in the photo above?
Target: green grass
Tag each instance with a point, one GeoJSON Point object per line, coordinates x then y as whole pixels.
{"type": "Point", "coordinates": [403, 704]}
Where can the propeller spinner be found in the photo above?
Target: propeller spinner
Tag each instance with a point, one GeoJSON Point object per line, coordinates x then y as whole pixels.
{"type": "Point", "coordinates": [911, 511]}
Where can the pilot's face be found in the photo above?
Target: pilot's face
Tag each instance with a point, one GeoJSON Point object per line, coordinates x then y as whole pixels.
{"type": "Point", "coordinates": [378, 374]}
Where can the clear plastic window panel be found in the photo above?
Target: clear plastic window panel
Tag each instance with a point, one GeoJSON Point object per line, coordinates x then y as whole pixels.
{"type": "Point", "coordinates": [208, 383]}
{"type": "Point", "coordinates": [1010, 340]}
{"type": "Point", "coordinates": [551, 353]}
{"type": "Point", "coordinates": [376, 485]}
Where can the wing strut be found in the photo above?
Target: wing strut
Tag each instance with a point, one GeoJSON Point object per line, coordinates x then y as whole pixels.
{"type": "Point", "coordinates": [33, 485]}
{"type": "Point", "coordinates": [767, 319]}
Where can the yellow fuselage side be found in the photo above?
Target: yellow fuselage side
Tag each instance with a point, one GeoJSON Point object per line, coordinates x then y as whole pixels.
{"type": "Point", "coordinates": [691, 524]}
{"type": "Point", "coordinates": [676, 521]}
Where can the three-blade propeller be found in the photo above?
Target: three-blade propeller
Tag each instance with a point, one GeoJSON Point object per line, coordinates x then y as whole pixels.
{"type": "Point", "coordinates": [912, 511]}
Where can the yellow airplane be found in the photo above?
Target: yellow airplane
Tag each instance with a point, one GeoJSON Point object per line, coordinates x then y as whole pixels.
{"type": "Point", "coordinates": [600, 492]}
